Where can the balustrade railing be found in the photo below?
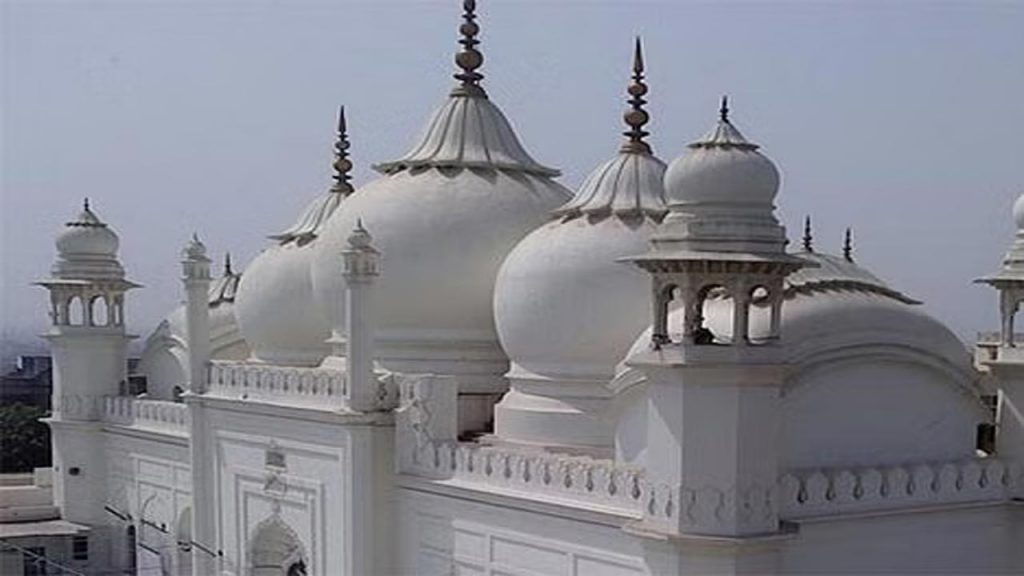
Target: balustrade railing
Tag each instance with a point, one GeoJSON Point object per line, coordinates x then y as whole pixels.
{"type": "Point", "coordinates": [162, 415]}
{"type": "Point", "coordinates": [319, 387]}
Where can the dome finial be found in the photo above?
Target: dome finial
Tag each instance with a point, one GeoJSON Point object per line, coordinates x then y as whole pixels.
{"type": "Point", "coordinates": [227, 264]}
{"type": "Point", "coordinates": [469, 58]}
{"type": "Point", "coordinates": [848, 245]}
{"type": "Point", "coordinates": [808, 239]}
{"type": "Point", "coordinates": [723, 110]}
{"type": "Point", "coordinates": [637, 117]}
{"type": "Point", "coordinates": [342, 165]}
{"type": "Point", "coordinates": [85, 204]}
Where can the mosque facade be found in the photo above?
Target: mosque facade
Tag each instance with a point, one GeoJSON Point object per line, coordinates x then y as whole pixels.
{"type": "Point", "coordinates": [463, 367]}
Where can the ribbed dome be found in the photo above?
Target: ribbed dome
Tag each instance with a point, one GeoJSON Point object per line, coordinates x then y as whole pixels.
{"type": "Point", "coordinates": [443, 216]}
{"type": "Point", "coordinates": [566, 308]}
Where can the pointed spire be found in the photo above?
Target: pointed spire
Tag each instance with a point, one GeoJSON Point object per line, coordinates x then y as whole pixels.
{"type": "Point", "coordinates": [469, 58]}
{"type": "Point", "coordinates": [227, 264]}
{"type": "Point", "coordinates": [848, 245]}
{"type": "Point", "coordinates": [342, 165]}
{"type": "Point", "coordinates": [723, 110]}
{"type": "Point", "coordinates": [808, 238]}
{"type": "Point", "coordinates": [637, 117]}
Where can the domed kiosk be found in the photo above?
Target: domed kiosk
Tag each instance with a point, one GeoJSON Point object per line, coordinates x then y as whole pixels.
{"type": "Point", "coordinates": [566, 309]}
{"type": "Point", "coordinates": [444, 216]}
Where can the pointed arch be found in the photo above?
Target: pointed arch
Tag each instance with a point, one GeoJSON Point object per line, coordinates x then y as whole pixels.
{"type": "Point", "coordinates": [275, 550]}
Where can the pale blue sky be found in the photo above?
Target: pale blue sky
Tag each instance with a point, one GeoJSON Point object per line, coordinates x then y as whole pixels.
{"type": "Point", "coordinates": [903, 120]}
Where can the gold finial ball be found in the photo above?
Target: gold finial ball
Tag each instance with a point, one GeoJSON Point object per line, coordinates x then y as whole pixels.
{"type": "Point", "coordinates": [636, 117]}
{"type": "Point", "coordinates": [342, 165]}
{"type": "Point", "coordinates": [469, 29]}
{"type": "Point", "coordinates": [469, 59]}
{"type": "Point", "coordinates": [637, 89]}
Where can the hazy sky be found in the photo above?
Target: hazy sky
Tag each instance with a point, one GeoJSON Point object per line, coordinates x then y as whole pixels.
{"type": "Point", "coordinates": [904, 120]}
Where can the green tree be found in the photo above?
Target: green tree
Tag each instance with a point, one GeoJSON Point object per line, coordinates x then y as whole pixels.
{"type": "Point", "coordinates": [24, 440]}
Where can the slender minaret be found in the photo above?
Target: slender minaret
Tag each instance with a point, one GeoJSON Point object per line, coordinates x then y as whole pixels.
{"type": "Point", "coordinates": [1006, 362]}
{"type": "Point", "coordinates": [195, 277]}
{"type": "Point", "coordinates": [713, 398]}
{"type": "Point", "coordinates": [361, 263]}
{"type": "Point", "coordinates": [195, 266]}
{"type": "Point", "coordinates": [89, 345]}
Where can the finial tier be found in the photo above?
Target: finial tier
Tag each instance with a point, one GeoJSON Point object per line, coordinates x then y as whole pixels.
{"type": "Point", "coordinates": [637, 117]}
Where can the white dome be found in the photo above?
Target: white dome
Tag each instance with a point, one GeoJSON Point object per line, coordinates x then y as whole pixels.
{"type": "Point", "coordinates": [1018, 213]}
{"type": "Point", "coordinates": [722, 168]}
{"type": "Point", "coordinates": [275, 310]}
{"type": "Point", "coordinates": [563, 304]}
{"type": "Point", "coordinates": [443, 217]}
{"type": "Point", "coordinates": [87, 248]}
{"type": "Point", "coordinates": [442, 234]}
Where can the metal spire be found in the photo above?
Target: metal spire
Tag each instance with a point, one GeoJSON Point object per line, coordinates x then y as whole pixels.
{"type": "Point", "coordinates": [637, 117]}
{"type": "Point", "coordinates": [85, 204]}
{"type": "Point", "coordinates": [723, 110]}
{"type": "Point", "coordinates": [342, 165]}
{"type": "Point", "coordinates": [227, 264]}
{"type": "Point", "coordinates": [808, 239]}
{"type": "Point", "coordinates": [469, 58]}
{"type": "Point", "coordinates": [848, 245]}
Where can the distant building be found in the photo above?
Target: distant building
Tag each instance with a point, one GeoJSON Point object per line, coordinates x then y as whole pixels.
{"type": "Point", "coordinates": [29, 383]}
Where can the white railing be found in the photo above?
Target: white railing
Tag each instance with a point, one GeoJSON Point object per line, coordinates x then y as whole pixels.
{"type": "Point", "coordinates": [810, 493]}
{"type": "Point", "coordinates": [427, 448]}
{"type": "Point", "coordinates": [160, 415]}
{"type": "Point", "coordinates": [315, 387]}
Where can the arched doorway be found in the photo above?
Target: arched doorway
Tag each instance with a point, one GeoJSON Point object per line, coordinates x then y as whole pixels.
{"type": "Point", "coordinates": [275, 550]}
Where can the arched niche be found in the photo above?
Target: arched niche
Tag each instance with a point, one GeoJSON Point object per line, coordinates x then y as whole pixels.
{"type": "Point", "coordinates": [99, 311]}
{"type": "Point", "coordinates": [76, 311]}
{"type": "Point", "coordinates": [275, 550]}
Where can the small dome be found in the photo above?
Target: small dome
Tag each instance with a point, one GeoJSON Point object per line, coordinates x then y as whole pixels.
{"type": "Point", "coordinates": [1018, 213]}
{"type": "Point", "coordinates": [87, 249]}
{"type": "Point", "coordinates": [87, 236]}
{"type": "Point", "coordinates": [722, 168]}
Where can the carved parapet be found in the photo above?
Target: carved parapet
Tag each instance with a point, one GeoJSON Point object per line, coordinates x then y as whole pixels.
{"type": "Point", "coordinates": [308, 387]}
{"type": "Point", "coordinates": [157, 415]}
{"type": "Point", "coordinates": [810, 493]}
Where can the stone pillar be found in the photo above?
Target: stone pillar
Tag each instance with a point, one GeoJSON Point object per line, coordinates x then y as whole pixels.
{"type": "Point", "coordinates": [361, 268]}
{"type": "Point", "coordinates": [195, 267]}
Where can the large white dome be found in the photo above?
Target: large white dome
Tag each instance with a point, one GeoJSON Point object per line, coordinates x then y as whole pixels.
{"type": "Point", "coordinates": [444, 216]}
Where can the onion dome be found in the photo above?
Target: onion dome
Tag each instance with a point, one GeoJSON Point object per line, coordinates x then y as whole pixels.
{"type": "Point", "coordinates": [87, 249]}
{"type": "Point", "coordinates": [565, 309]}
{"type": "Point", "coordinates": [444, 217]}
{"type": "Point", "coordinates": [274, 307]}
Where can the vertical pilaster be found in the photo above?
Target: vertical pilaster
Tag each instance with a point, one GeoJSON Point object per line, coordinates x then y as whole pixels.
{"type": "Point", "coordinates": [361, 268]}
